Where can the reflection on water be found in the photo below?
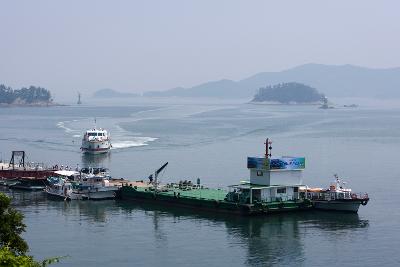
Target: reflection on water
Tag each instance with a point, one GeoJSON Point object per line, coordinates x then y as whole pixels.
{"type": "Point", "coordinates": [270, 241]}
{"type": "Point", "coordinates": [99, 160]}
{"type": "Point", "coordinates": [278, 239]}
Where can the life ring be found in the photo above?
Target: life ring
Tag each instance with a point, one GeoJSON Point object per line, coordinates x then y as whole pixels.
{"type": "Point", "coordinates": [364, 202]}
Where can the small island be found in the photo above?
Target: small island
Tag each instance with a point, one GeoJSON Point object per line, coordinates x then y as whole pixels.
{"type": "Point", "coordinates": [288, 93]}
{"type": "Point", "coordinates": [32, 96]}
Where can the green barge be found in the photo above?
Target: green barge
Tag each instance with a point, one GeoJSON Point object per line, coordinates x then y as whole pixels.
{"type": "Point", "coordinates": [273, 187]}
{"type": "Point", "coordinates": [215, 200]}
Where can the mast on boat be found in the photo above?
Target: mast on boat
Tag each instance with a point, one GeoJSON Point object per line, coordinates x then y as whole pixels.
{"type": "Point", "coordinates": [268, 148]}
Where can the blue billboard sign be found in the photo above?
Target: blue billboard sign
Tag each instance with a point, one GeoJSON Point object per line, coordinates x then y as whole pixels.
{"type": "Point", "coordinates": [285, 163]}
{"type": "Point", "coordinates": [256, 163]}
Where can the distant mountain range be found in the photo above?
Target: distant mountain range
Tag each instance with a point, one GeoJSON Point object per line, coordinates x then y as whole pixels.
{"type": "Point", "coordinates": [333, 81]}
{"type": "Point", "coordinates": [110, 93]}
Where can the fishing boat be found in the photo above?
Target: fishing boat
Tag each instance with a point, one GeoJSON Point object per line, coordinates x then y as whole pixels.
{"type": "Point", "coordinates": [61, 188]}
{"type": "Point", "coordinates": [29, 183]}
{"type": "Point", "coordinates": [336, 197]}
{"type": "Point", "coordinates": [96, 141]}
{"type": "Point", "coordinates": [273, 187]}
{"type": "Point", "coordinates": [94, 183]}
{"type": "Point", "coordinates": [88, 184]}
{"type": "Point", "coordinates": [8, 182]}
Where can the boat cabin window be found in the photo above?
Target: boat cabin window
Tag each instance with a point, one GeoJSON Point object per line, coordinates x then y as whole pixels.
{"type": "Point", "coordinates": [256, 195]}
{"type": "Point", "coordinates": [281, 190]}
{"type": "Point", "coordinates": [96, 134]}
{"type": "Point", "coordinates": [259, 173]}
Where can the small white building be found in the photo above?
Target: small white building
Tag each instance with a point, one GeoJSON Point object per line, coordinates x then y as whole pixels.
{"type": "Point", "coordinates": [272, 179]}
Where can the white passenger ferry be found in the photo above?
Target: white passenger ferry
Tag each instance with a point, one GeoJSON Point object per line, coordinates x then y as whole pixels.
{"type": "Point", "coordinates": [96, 141]}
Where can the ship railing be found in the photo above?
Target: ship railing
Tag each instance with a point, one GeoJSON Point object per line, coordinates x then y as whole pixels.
{"type": "Point", "coordinates": [359, 195]}
{"type": "Point", "coordinates": [317, 196]}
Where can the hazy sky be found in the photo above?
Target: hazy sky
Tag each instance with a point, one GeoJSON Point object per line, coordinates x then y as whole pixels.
{"type": "Point", "coordinates": [137, 46]}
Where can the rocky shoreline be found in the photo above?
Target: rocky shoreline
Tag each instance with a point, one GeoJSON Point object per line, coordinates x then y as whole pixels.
{"type": "Point", "coordinates": [38, 104]}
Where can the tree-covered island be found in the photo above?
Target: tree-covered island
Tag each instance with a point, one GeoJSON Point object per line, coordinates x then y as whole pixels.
{"type": "Point", "coordinates": [32, 96]}
{"type": "Point", "coordinates": [288, 93]}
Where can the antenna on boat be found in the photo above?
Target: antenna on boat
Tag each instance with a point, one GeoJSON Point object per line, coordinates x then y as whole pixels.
{"type": "Point", "coordinates": [268, 148]}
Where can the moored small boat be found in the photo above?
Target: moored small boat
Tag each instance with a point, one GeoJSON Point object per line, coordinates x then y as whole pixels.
{"type": "Point", "coordinates": [336, 197]}
{"type": "Point", "coordinates": [8, 182]}
{"type": "Point", "coordinates": [29, 183]}
{"type": "Point", "coordinates": [84, 185]}
{"type": "Point", "coordinates": [96, 187]}
{"type": "Point", "coordinates": [61, 188]}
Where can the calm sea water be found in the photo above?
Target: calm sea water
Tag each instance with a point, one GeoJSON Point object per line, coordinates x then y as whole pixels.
{"type": "Point", "coordinates": [211, 141]}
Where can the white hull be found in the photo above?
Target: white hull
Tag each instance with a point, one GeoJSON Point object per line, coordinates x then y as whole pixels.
{"type": "Point", "coordinates": [59, 195]}
{"type": "Point", "coordinates": [96, 141]}
{"type": "Point", "coordinates": [94, 195]}
{"type": "Point", "coordinates": [90, 147]}
{"type": "Point", "coordinates": [351, 206]}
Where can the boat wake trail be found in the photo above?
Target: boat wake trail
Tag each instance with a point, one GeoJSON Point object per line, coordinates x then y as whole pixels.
{"type": "Point", "coordinates": [137, 141]}
{"type": "Point", "coordinates": [120, 138]}
{"type": "Point", "coordinates": [61, 125]}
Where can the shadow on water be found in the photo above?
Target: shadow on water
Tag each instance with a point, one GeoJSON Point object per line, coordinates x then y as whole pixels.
{"type": "Point", "coordinates": [278, 239]}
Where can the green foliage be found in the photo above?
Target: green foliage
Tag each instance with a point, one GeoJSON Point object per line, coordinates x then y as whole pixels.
{"type": "Point", "coordinates": [8, 258]}
{"type": "Point", "coordinates": [288, 93]}
{"type": "Point", "coordinates": [12, 246]}
{"type": "Point", "coordinates": [11, 226]}
{"type": "Point", "coordinates": [26, 95]}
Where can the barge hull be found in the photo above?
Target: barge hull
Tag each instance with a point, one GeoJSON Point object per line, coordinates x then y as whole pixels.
{"type": "Point", "coordinates": [213, 205]}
